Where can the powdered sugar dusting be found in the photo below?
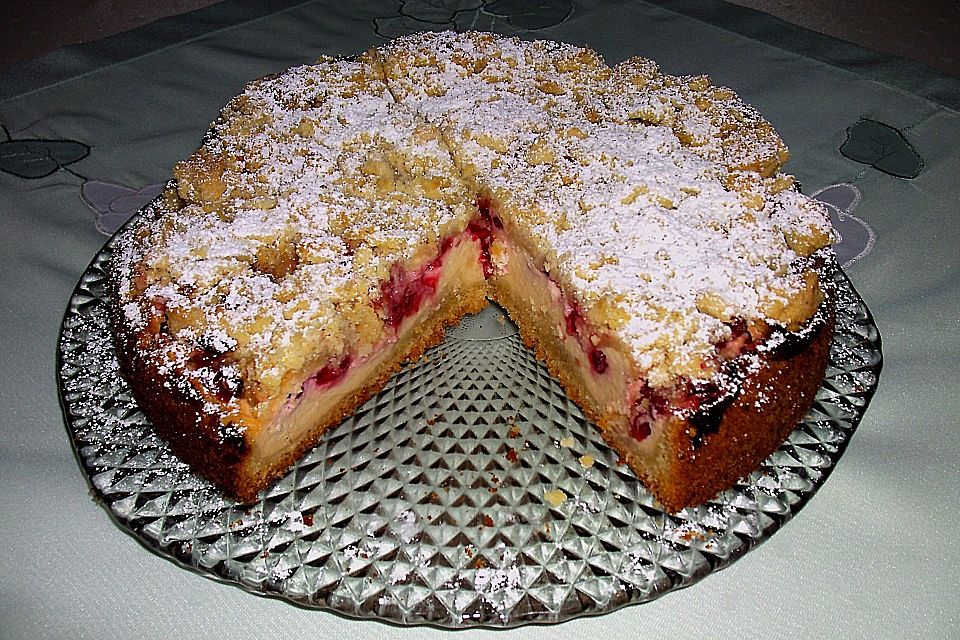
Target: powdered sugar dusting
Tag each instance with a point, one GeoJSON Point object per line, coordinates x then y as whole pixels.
{"type": "Point", "coordinates": [632, 189]}
{"type": "Point", "coordinates": [657, 234]}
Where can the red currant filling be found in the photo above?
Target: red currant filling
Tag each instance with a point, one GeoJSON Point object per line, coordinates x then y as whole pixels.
{"type": "Point", "coordinates": [404, 292]}
{"type": "Point", "coordinates": [482, 230]}
{"type": "Point", "coordinates": [227, 382]}
{"type": "Point", "coordinates": [640, 427]}
{"type": "Point", "coordinates": [598, 361]}
{"type": "Point", "coordinates": [402, 295]}
{"type": "Point", "coordinates": [649, 406]}
{"type": "Point", "coordinates": [332, 372]}
{"type": "Point", "coordinates": [576, 327]}
{"type": "Point", "coordinates": [739, 342]}
{"type": "Point", "coordinates": [702, 403]}
{"type": "Point", "coordinates": [710, 404]}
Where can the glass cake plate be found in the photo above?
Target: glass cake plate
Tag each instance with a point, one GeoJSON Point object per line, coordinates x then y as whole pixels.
{"type": "Point", "coordinates": [439, 501]}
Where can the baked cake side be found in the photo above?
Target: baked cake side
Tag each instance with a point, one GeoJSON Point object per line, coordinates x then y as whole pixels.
{"type": "Point", "coordinates": [338, 216]}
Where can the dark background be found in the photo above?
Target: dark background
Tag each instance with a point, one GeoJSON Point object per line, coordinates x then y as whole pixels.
{"type": "Point", "coordinates": [925, 31]}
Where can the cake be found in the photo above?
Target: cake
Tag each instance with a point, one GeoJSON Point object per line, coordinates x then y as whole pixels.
{"type": "Point", "coordinates": [338, 216]}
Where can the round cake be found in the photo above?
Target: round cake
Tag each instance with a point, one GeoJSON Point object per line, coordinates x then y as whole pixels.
{"type": "Point", "coordinates": [340, 215]}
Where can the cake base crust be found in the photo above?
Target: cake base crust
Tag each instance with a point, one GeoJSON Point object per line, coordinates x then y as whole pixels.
{"type": "Point", "coordinates": [225, 458]}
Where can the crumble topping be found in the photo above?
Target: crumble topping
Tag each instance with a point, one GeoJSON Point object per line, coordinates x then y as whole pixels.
{"type": "Point", "coordinates": [555, 497]}
{"type": "Point", "coordinates": [655, 201]}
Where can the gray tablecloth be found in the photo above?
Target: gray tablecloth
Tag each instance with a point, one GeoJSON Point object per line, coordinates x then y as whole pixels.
{"type": "Point", "coordinates": [872, 555]}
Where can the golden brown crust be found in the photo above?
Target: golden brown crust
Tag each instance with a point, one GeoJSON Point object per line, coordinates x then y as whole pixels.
{"type": "Point", "coordinates": [194, 436]}
{"type": "Point", "coordinates": [773, 398]}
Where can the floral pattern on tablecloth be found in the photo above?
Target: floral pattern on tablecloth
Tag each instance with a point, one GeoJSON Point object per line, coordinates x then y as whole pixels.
{"type": "Point", "coordinates": [114, 204]}
{"type": "Point", "coordinates": [509, 17]}
{"type": "Point", "coordinates": [35, 158]}
{"type": "Point", "coordinates": [855, 238]}
{"type": "Point", "coordinates": [882, 147]}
